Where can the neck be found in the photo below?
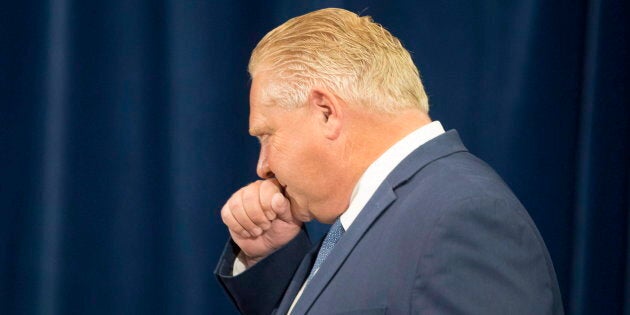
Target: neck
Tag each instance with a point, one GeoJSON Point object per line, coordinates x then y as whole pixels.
{"type": "Point", "coordinates": [367, 137]}
{"type": "Point", "coordinates": [373, 134]}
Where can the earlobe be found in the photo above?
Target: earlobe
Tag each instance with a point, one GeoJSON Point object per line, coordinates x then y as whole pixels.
{"type": "Point", "coordinates": [328, 107]}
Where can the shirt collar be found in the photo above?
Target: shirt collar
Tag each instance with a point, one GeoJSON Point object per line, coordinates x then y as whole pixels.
{"type": "Point", "coordinates": [376, 173]}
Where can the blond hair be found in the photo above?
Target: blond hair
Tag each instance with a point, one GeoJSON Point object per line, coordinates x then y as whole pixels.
{"type": "Point", "coordinates": [356, 58]}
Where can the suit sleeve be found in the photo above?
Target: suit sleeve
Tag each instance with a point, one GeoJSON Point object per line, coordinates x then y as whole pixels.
{"type": "Point", "coordinates": [260, 288]}
{"type": "Point", "coordinates": [485, 256]}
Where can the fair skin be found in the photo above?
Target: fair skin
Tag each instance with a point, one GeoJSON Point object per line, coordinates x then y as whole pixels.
{"type": "Point", "coordinates": [311, 158]}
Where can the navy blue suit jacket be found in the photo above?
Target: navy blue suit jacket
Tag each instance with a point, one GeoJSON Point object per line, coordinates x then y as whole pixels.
{"type": "Point", "coordinates": [443, 234]}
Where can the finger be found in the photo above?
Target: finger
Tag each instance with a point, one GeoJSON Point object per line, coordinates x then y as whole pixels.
{"type": "Point", "coordinates": [231, 223]}
{"type": "Point", "coordinates": [253, 207]}
{"type": "Point", "coordinates": [268, 188]}
{"type": "Point", "coordinates": [281, 206]}
{"type": "Point", "coordinates": [237, 207]}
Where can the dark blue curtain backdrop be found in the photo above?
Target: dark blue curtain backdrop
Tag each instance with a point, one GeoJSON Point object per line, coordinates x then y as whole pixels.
{"type": "Point", "coordinates": [123, 129]}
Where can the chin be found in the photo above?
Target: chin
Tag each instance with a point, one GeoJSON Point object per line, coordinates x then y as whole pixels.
{"type": "Point", "coordinates": [323, 219]}
{"type": "Point", "coordinates": [303, 217]}
{"type": "Point", "coordinates": [305, 220]}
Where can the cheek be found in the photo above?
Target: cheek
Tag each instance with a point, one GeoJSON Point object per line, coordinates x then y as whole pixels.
{"type": "Point", "coordinates": [293, 164]}
{"type": "Point", "coordinates": [286, 149]}
{"type": "Point", "coordinates": [280, 157]}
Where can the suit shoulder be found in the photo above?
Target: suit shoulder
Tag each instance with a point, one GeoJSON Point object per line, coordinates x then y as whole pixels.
{"type": "Point", "coordinates": [455, 178]}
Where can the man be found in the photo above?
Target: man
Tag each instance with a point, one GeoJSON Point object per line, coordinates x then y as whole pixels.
{"type": "Point", "coordinates": [420, 226]}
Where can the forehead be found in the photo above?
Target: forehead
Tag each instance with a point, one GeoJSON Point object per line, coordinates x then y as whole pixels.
{"type": "Point", "coordinates": [259, 104]}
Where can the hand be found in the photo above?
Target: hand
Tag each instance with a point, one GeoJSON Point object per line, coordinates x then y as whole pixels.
{"type": "Point", "coordinates": [259, 219]}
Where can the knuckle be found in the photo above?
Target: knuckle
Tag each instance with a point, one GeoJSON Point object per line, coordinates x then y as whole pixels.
{"type": "Point", "coordinates": [234, 201]}
{"type": "Point", "coordinates": [258, 217]}
{"type": "Point", "coordinates": [249, 195]}
{"type": "Point", "coordinates": [227, 217]}
{"type": "Point", "coordinates": [224, 215]}
{"type": "Point", "coordinates": [266, 193]}
{"type": "Point", "coordinates": [248, 199]}
{"type": "Point", "coordinates": [269, 185]}
{"type": "Point", "coordinates": [264, 184]}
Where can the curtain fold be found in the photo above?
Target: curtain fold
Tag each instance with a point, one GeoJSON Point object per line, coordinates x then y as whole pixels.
{"type": "Point", "coordinates": [602, 201]}
{"type": "Point", "coordinates": [123, 130]}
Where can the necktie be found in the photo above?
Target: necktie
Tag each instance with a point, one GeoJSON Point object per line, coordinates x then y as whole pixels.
{"type": "Point", "coordinates": [334, 234]}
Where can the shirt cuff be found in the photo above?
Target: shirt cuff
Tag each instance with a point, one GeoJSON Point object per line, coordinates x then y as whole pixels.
{"type": "Point", "coordinates": [239, 266]}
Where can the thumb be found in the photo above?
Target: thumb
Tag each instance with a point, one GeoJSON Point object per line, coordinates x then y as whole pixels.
{"type": "Point", "coordinates": [281, 206]}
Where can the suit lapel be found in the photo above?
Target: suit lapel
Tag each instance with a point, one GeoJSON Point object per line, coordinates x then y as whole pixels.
{"type": "Point", "coordinates": [443, 145]}
{"type": "Point", "coordinates": [297, 281]}
{"type": "Point", "coordinates": [383, 197]}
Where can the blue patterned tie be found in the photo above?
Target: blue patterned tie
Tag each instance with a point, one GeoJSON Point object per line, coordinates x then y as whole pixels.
{"type": "Point", "coordinates": [334, 234]}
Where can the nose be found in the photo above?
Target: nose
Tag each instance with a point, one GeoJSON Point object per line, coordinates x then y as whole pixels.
{"type": "Point", "coordinates": [262, 168]}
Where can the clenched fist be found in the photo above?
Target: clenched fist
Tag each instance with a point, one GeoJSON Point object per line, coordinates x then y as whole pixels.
{"type": "Point", "coordinates": [259, 219]}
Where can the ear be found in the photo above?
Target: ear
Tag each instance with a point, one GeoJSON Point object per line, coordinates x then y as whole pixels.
{"type": "Point", "coordinates": [328, 110]}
